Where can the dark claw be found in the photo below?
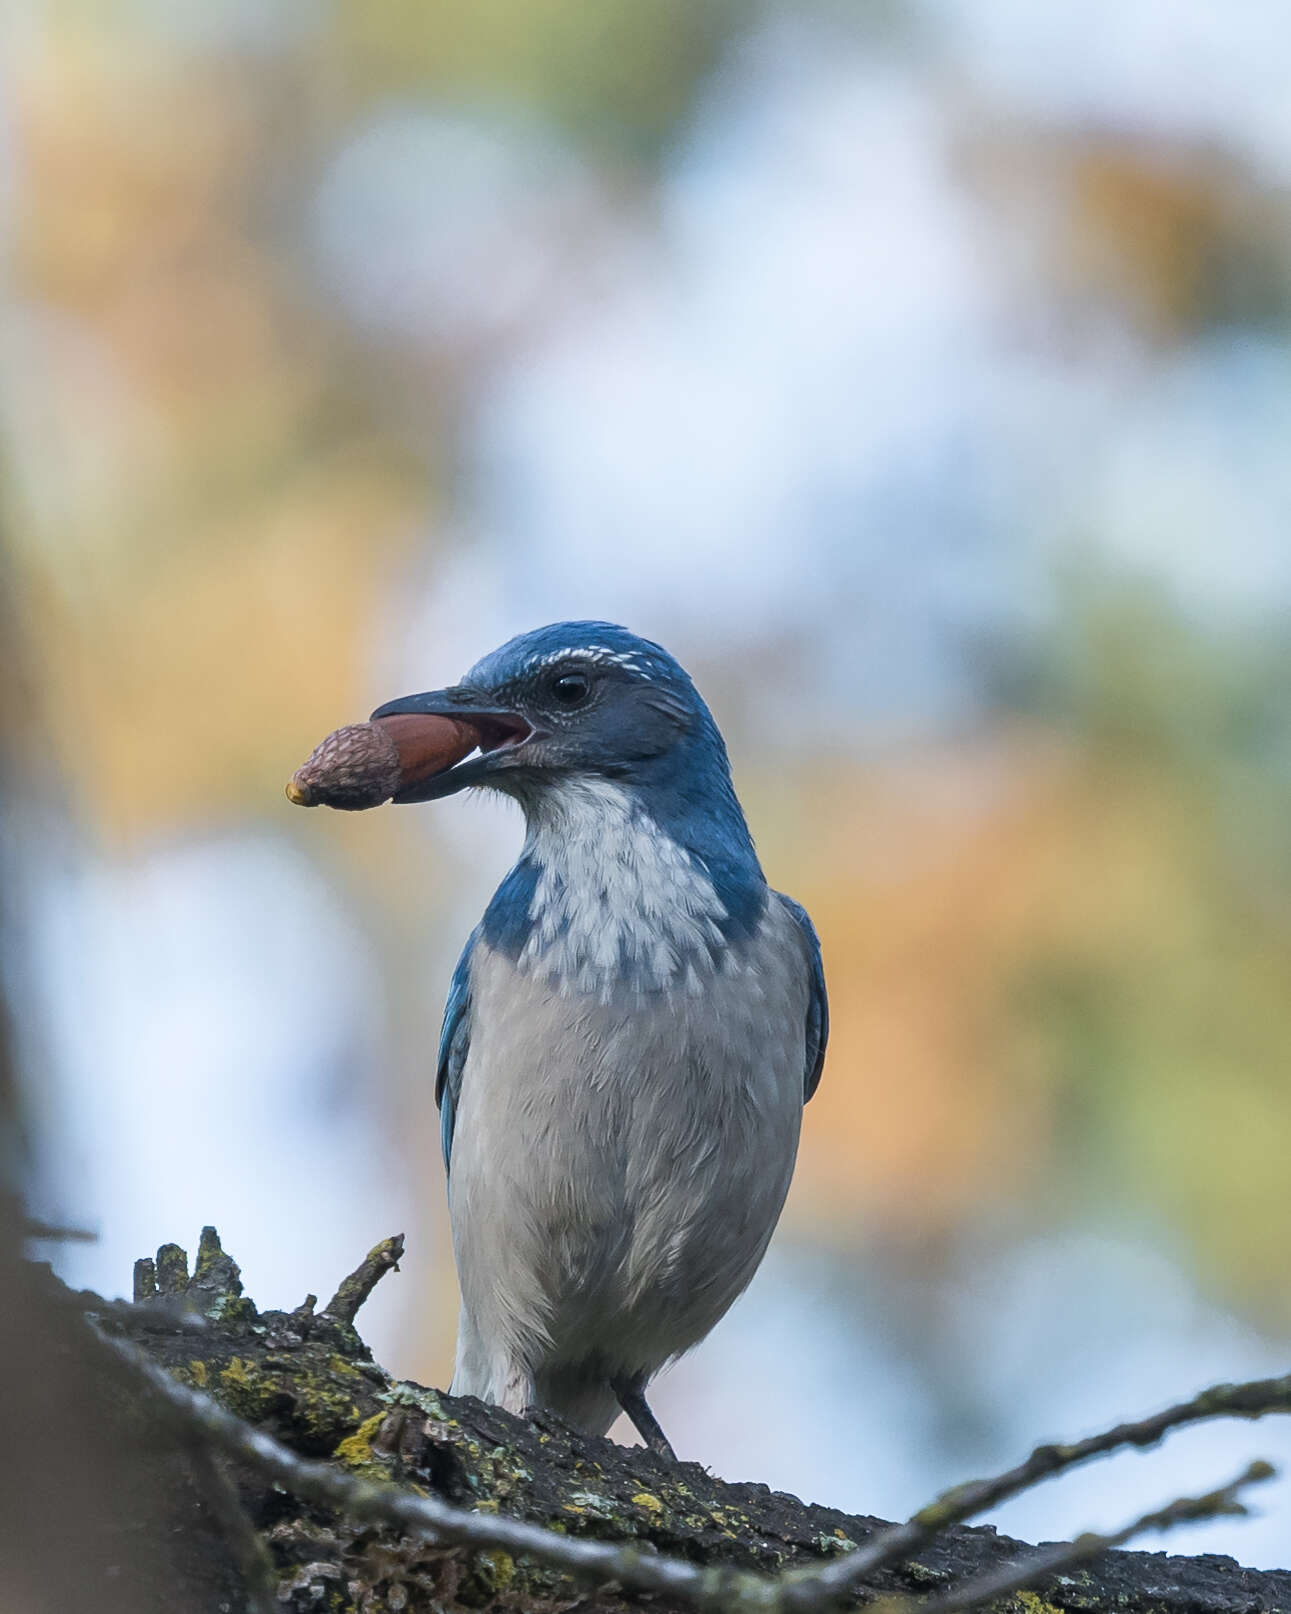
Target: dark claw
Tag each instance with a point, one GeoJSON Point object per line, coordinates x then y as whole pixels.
{"type": "Point", "coordinates": [631, 1394]}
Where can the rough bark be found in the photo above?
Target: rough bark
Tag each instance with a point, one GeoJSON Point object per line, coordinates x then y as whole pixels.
{"type": "Point", "coordinates": [160, 1535]}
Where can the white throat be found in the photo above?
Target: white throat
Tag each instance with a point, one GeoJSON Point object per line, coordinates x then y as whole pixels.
{"type": "Point", "coordinates": [617, 900]}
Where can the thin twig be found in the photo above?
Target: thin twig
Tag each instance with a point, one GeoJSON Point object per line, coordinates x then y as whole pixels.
{"type": "Point", "coordinates": [160, 1314]}
{"type": "Point", "coordinates": [54, 1233]}
{"type": "Point", "coordinates": [354, 1290]}
{"type": "Point", "coordinates": [1025, 1572]}
{"type": "Point", "coordinates": [1252, 1399]}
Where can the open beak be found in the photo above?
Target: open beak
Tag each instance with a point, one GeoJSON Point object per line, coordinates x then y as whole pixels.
{"type": "Point", "coordinates": [498, 732]}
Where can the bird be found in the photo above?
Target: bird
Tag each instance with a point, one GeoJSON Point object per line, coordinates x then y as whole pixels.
{"type": "Point", "coordinates": [630, 1034]}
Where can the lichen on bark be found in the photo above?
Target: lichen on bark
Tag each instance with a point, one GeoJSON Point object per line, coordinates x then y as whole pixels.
{"type": "Point", "coordinates": [307, 1378]}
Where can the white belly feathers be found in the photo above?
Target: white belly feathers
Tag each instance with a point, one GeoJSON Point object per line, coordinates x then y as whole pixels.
{"type": "Point", "coordinates": [620, 1160]}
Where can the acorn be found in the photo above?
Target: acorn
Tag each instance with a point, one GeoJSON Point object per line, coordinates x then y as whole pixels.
{"type": "Point", "coordinates": [365, 764]}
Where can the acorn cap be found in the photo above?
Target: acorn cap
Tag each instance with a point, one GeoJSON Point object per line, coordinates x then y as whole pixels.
{"type": "Point", "coordinates": [365, 764]}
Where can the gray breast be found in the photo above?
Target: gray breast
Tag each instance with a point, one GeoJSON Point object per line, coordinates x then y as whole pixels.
{"type": "Point", "coordinates": [620, 1158]}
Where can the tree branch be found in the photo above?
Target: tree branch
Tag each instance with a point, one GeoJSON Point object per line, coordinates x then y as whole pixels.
{"type": "Point", "coordinates": [733, 1590]}
{"type": "Point", "coordinates": [808, 1591]}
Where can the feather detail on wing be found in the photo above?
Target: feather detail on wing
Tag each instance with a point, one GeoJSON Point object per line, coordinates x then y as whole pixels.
{"type": "Point", "coordinates": [454, 1042]}
{"type": "Point", "coordinates": [817, 1004]}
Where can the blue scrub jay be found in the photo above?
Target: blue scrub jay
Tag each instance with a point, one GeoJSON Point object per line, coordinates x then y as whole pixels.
{"type": "Point", "coordinates": [631, 1031]}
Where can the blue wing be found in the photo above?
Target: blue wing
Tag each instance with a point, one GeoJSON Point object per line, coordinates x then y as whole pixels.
{"type": "Point", "coordinates": [817, 1003]}
{"type": "Point", "coordinates": [454, 1041]}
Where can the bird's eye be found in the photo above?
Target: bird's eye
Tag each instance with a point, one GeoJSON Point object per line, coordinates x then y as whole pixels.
{"type": "Point", "coordinates": [570, 689]}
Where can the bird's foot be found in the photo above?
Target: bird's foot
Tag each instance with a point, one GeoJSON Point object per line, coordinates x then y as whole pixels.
{"type": "Point", "coordinates": [631, 1394]}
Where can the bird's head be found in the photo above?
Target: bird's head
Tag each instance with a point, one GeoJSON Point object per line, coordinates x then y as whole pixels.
{"type": "Point", "coordinates": [577, 701]}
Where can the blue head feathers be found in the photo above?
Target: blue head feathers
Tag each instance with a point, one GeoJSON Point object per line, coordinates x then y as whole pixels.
{"type": "Point", "coordinates": [595, 730]}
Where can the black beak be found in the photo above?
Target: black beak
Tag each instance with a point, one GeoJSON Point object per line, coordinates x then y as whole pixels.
{"type": "Point", "coordinates": [499, 731]}
{"type": "Point", "coordinates": [454, 702]}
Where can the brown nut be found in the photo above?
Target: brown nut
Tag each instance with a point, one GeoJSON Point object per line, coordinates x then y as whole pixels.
{"type": "Point", "coordinates": [365, 764]}
{"type": "Point", "coordinates": [427, 745]}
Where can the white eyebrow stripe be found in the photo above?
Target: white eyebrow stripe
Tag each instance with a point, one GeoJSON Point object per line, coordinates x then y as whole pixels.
{"type": "Point", "coordinates": [601, 654]}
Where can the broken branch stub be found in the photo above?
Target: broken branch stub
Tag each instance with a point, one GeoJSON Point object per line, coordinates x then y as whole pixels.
{"type": "Point", "coordinates": [354, 1290]}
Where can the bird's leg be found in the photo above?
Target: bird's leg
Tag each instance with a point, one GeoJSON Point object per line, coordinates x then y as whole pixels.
{"type": "Point", "coordinates": [631, 1394]}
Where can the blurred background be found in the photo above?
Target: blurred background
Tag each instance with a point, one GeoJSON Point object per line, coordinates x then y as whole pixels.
{"type": "Point", "coordinates": [920, 373]}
